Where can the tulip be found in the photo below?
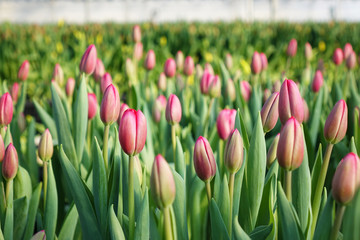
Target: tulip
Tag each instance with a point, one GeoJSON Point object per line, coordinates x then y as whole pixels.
{"type": "Point", "coordinates": [308, 51]}
{"type": "Point", "coordinates": [256, 63]}
{"type": "Point", "coordinates": [209, 68]}
{"type": "Point", "coordinates": [150, 60]}
{"type": "Point", "coordinates": [99, 70]}
{"type": "Point", "coordinates": [46, 148]}
{"type": "Point", "coordinates": [228, 61]}
{"type": "Point", "coordinates": [2, 149]}
{"type": "Point", "coordinates": [292, 48]}
{"type": "Point", "coordinates": [158, 107]}
{"type": "Point", "coordinates": [179, 59]}
{"type": "Point", "coordinates": [230, 91]}
{"type": "Point", "coordinates": [215, 87]}
{"type": "Point", "coordinates": [179, 82]}
{"type": "Point", "coordinates": [170, 68]}
{"type": "Point", "coordinates": [264, 61]}
{"type": "Point", "coordinates": [245, 89]}
{"type": "Point", "coordinates": [70, 86]}
{"type": "Point", "coordinates": [348, 49]}
{"type": "Point", "coordinates": [110, 105]}
{"type": "Point", "coordinates": [123, 108]}
{"type": "Point", "coordinates": [266, 94]}
{"type": "Point", "coordinates": [317, 81]}
{"type": "Point", "coordinates": [88, 60]}
{"type": "Point", "coordinates": [204, 160]}
{"type": "Point", "coordinates": [15, 91]}
{"type": "Point", "coordinates": [162, 82]}
{"type": "Point", "coordinates": [162, 183]}
{"type": "Point", "coordinates": [306, 111]}
{"type": "Point", "coordinates": [270, 112]}
{"type": "Point", "coordinates": [225, 122]}
{"type": "Point", "coordinates": [336, 123]}
{"type": "Point", "coordinates": [39, 235]}
{"type": "Point", "coordinates": [271, 154]}
{"type": "Point", "coordinates": [351, 60]}
{"type": "Point", "coordinates": [173, 110]}
{"type": "Point", "coordinates": [106, 80]}
{"type": "Point", "coordinates": [338, 56]}
{"type": "Point", "coordinates": [10, 163]}
{"type": "Point", "coordinates": [21, 122]}
{"type": "Point", "coordinates": [205, 81]}
{"type": "Point", "coordinates": [23, 70]}
{"type": "Point", "coordinates": [58, 74]}
{"type": "Point", "coordinates": [290, 102]}
{"type": "Point", "coordinates": [188, 66]}
{"type": "Point", "coordinates": [276, 86]}
{"type": "Point", "coordinates": [234, 152]}
{"type": "Point", "coordinates": [199, 71]}
{"type": "Point", "coordinates": [136, 33]}
{"type": "Point", "coordinates": [92, 105]}
{"type": "Point", "coordinates": [138, 51]}
{"type": "Point", "coordinates": [6, 110]}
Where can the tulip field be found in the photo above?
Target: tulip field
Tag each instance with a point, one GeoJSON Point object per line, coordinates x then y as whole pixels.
{"type": "Point", "coordinates": [180, 131]}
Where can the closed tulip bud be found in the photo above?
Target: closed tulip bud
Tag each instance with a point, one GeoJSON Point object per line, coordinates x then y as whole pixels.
{"type": "Point", "coordinates": [58, 74]}
{"type": "Point", "coordinates": [173, 110]}
{"type": "Point", "coordinates": [2, 149]}
{"type": "Point", "coordinates": [308, 51]}
{"type": "Point", "coordinates": [336, 123]}
{"type": "Point", "coordinates": [179, 59]}
{"type": "Point", "coordinates": [132, 131]}
{"type": "Point", "coordinates": [266, 94]}
{"type": "Point", "coordinates": [46, 147]}
{"type": "Point", "coordinates": [233, 158]}
{"type": "Point", "coordinates": [23, 70]}
{"type": "Point", "coordinates": [290, 102]}
{"type": "Point", "coordinates": [205, 82]}
{"type": "Point", "coordinates": [6, 109]}
{"type": "Point", "coordinates": [21, 122]}
{"type": "Point", "coordinates": [39, 236]}
{"type": "Point", "coordinates": [150, 60]}
{"type": "Point", "coordinates": [136, 33]}
{"type": "Point", "coordinates": [338, 56]}
{"type": "Point", "coordinates": [179, 82]}
{"type": "Point", "coordinates": [99, 70]}
{"type": "Point", "coordinates": [138, 51]}
{"type": "Point", "coordinates": [348, 49]}
{"type": "Point", "coordinates": [230, 91]}
{"type": "Point", "coordinates": [110, 105]}
{"type": "Point", "coordinates": [170, 68]}
{"type": "Point", "coordinates": [138, 168]}
{"type": "Point", "coordinates": [317, 81]}
{"type": "Point", "coordinates": [245, 89]}
{"type": "Point", "coordinates": [15, 91]}
{"type": "Point", "coordinates": [189, 66]}
{"type": "Point", "coordinates": [351, 60]}
{"type": "Point", "coordinates": [270, 112]}
{"type": "Point", "coordinates": [10, 163]}
{"type": "Point", "coordinates": [256, 63]}
{"type": "Point", "coordinates": [162, 82]}
{"type": "Point", "coordinates": [225, 122]}
{"type": "Point", "coordinates": [92, 105]}
{"type": "Point", "coordinates": [209, 68]}
{"type": "Point", "coordinates": [123, 108]}
{"type": "Point", "coordinates": [106, 80]}
{"type": "Point", "coordinates": [290, 151]}
{"type": "Point", "coordinates": [215, 87]}
{"type": "Point", "coordinates": [199, 71]}
{"type": "Point", "coordinates": [88, 60]}
{"type": "Point", "coordinates": [204, 160]}
{"type": "Point", "coordinates": [306, 111]}
{"type": "Point", "coordinates": [158, 107]}
{"type": "Point", "coordinates": [271, 155]}
{"type": "Point", "coordinates": [228, 61]}
{"type": "Point", "coordinates": [70, 86]}
{"type": "Point", "coordinates": [162, 183]}
{"type": "Point", "coordinates": [292, 48]}
{"type": "Point", "coordinates": [264, 61]}
{"type": "Point", "coordinates": [346, 180]}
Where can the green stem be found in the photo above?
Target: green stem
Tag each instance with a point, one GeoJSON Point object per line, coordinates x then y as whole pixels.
{"type": "Point", "coordinates": [105, 147]}
{"type": "Point", "coordinates": [167, 224]}
{"type": "Point", "coordinates": [337, 224]}
{"type": "Point", "coordinates": [208, 190]}
{"type": "Point", "coordinates": [89, 135]}
{"type": "Point", "coordinates": [2, 132]}
{"type": "Point", "coordinates": [131, 199]}
{"type": "Point", "coordinates": [346, 85]}
{"type": "Point", "coordinates": [287, 184]}
{"type": "Point", "coordinates": [208, 116]}
{"type": "Point", "coordinates": [7, 191]}
{"type": "Point", "coordinates": [320, 186]}
{"type": "Point", "coordinates": [221, 156]}
{"type": "Point", "coordinates": [173, 140]}
{"type": "Point", "coordinates": [231, 191]}
{"type": "Point", "coordinates": [45, 179]}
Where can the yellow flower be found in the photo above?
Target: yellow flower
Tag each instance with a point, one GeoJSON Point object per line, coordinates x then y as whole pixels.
{"type": "Point", "coordinates": [47, 39]}
{"type": "Point", "coordinates": [245, 67]}
{"type": "Point", "coordinates": [60, 23]}
{"type": "Point", "coordinates": [99, 39]}
{"type": "Point", "coordinates": [163, 41]}
{"type": "Point", "coordinates": [322, 46]}
{"type": "Point", "coordinates": [190, 80]}
{"type": "Point", "coordinates": [59, 47]}
{"type": "Point", "coordinates": [208, 57]}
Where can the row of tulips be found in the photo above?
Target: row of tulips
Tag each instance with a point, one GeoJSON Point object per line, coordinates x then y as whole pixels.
{"type": "Point", "coordinates": [252, 173]}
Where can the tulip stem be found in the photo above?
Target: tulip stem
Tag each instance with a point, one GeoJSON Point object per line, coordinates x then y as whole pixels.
{"type": "Point", "coordinates": [105, 147]}
{"type": "Point", "coordinates": [131, 199]}
{"type": "Point", "coordinates": [2, 132]}
{"type": "Point", "coordinates": [320, 186]}
{"type": "Point", "coordinates": [173, 139]}
{"type": "Point", "coordinates": [337, 224]}
{"type": "Point", "coordinates": [9, 185]}
{"type": "Point", "coordinates": [287, 184]}
{"type": "Point", "coordinates": [231, 191]}
{"type": "Point", "coordinates": [89, 135]}
{"type": "Point", "coordinates": [208, 190]}
{"type": "Point", "coordinates": [167, 224]}
{"type": "Point", "coordinates": [45, 178]}
{"type": "Point", "coordinates": [208, 117]}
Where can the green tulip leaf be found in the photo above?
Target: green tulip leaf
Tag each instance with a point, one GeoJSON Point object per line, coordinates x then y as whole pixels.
{"type": "Point", "coordinates": [20, 216]}
{"type": "Point", "coordinates": [51, 206]}
{"type": "Point", "coordinates": [325, 221]}
{"type": "Point", "coordinates": [142, 230]}
{"type": "Point", "coordinates": [218, 228]}
{"type": "Point", "coordinates": [316, 116]}
{"type": "Point", "coordinates": [116, 232]}
{"type": "Point", "coordinates": [69, 226]}
{"type": "Point", "coordinates": [46, 119]}
{"type": "Point", "coordinates": [33, 207]}
{"type": "Point", "coordinates": [352, 219]}
{"type": "Point", "coordinates": [179, 207]}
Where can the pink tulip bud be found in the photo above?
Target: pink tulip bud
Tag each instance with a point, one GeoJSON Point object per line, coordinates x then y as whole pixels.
{"type": "Point", "coordinates": [138, 51]}
{"type": "Point", "coordinates": [270, 112]}
{"type": "Point", "coordinates": [292, 48]}
{"type": "Point", "coordinates": [162, 183]}
{"type": "Point", "coordinates": [228, 61]}
{"type": "Point", "coordinates": [23, 70]}
{"type": "Point", "coordinates": [264, 61]}
{"type": "Point", "coordinates": [256, 63]}
{"type": "Point", "coordinates": [158, 107]}
{"type": "Point", "coordinates": [347, 50]}
{"type": "Point", "coordinates": [245, 89]}
{"type": "Point", "coordinates": [2, 149]}
{"type": "Point", "coordinates": [271, 155]}
{"type": "Point", "coordinates": [39, 235]}
{"type": "Point", "coordinates": [336, 124]}
{"type": "Point", "coordinates": [266, 94]}
{"type": "Point", "coordinates": [225, 122]}
{"type": "Point", "coordinates": [179, 82]}
{"type": "Point", "coordinates": [230, 91]}
{"type": "Point", "coordinates": [88, 60]}
{"type": "Point", "coordinates": [189, 66]}
{"type": "Point", "coordinates": [234, 151]}
{"type": "Point", "coordinates": [132, 131]}
{"type": "Point", "coordinates": [46, 147]}
{"type": "Point", "coordinates": [204, 160]}
{"type": "Point", "coordinates": [110, 105]}
{"type": "Point", "coordinates": [290, 102]}
{"type": "Point", "coordinates": [6, 109]}
{"type": "Point", "coordinates": [170, 68]}
{"type": "Point", "coordinates": [173, 110]}
{"type": "Point", "coordinates": [290, 151]}
{"type": "Point", "coordinates": [205, 81]}
{"type": "Point", "coordinates": [338, 56]}
{"type": "Point", "coordinates": [136, 34]}
{"type": "Point", "coordinates": [162, 82]}
{"type": "Point", "coordinates": [92, 105]}
{"type": "Point", "coordinates": [150, 60]}
{"type": "Point", "coordinates": [199, 71]}
{"type": "Point", "coordinates": [209, 68]}
{"type": "Point", "coordinates": [58, 74]}
{"type": "Point", "coordinates": [306, 111]}
{"type": "Point", "coordinates": [215, 87]}
{"type": "Point", "coordinates": [308, 51]}
{"type": "Point", "coordinates": [15, 91]}
{"type": "Point", "coordinates": [346, 180]}
{"type": "Point", "coordinates": [99, 70]}
{"type": "Point", "coordinates": [179, 59]}
{"type": "Point", "coordinates": [21, 122]}
{"type": "Point", "coordinates": [70, 86]}
{"type": "Point", "coordinates": [123, 108]}
{"type": "Point", "coordinates": [106, 80]}
{"type": "Point", "coordinates": [10, 163]}
{"type": "Point", "coordinates": [317, 81]}
{"type": "Point", "coordinates": [351, 60]}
